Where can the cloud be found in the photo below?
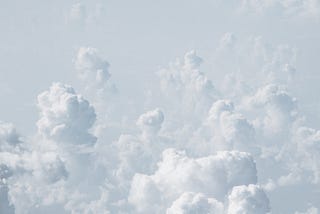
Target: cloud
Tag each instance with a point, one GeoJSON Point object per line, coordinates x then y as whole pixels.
{"type": "Point", "coordinates": [222, 171]}
{"type": "Point", "coordinates": [280, 107]}
{"type": "Point", "coordinates": [249, 199]}
{"type": "Point", "coordinates": [140, 153]}
{"type": "Point", "coordinates": [65, 116]}
{"type": "Point", "coordinates": [230, 130]}
{"type": "Point", "coordinates": [150, 122]}
{"type": "Point", "coordinates": [307, 152]}
{"type": "Point", "coordinates": [9, 137]}
{"type": "Point", "coordinates": [186, 89]}
{"type": "Point", "coordinates": [5, 205]}
{"type": "Point", "coordinates": [88, 62]}
{"type": "Point", "coordinates": [27, 171]}
{"type": "Point", "coordinates": [91, 66]}
{"type": "Point", "coordinates": [189, 203]}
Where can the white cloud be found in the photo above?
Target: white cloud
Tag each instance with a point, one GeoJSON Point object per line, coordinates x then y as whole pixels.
{"type": "Point", "coordinates": [189, 203]}
{"type": "Point", "coordinates": [222, 171]}
{"type": "Point", "coordinates": [230, 130]}
{"type": "Point", "coordinates": [90, 66]}
{"type": "Point", "coordinates": [280, 108]}
{"type": "Point", "coordinates": [307, 152]}
{"type": "Point", "coordinates": [150, 122]}
{"type": "Point", "coordinates": [65, 116]}
{"type": "Point", "coordinates": [249, 199]}
{"type": "Point", "coordinates": [187, 90]}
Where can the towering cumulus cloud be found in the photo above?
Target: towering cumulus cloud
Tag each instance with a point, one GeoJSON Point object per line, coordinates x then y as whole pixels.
{"type": "Point", "coordinates": [91, 67]}
{"type": "Point", "coordinates": [65, 116]}
{"type": "Point", "coordinates": [230, 130]}
{"type": "Point", "coordinates": [186, 88]}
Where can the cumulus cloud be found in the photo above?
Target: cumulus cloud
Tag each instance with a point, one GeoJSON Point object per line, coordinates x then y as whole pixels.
{"type": "Point", "coordinates": [65, 116]}
{"type": "Point", "coordinates": [248, 199]}
{"type": "Point", "coordinates": [213, 134]}
{"type": "Point", "coordinates": [186, 88]}
{"type": "Point", "coordinates": [280, 108]}
{"type": "Point", "coordinates": [190, 202]}
{"type": "Point", "coordinates": [222, 171]}
{"type": "Point", "coordinates": [150, 122]}
{"type": "Point", "coordinates": [307, 151]}
{"type": "Point", "coordinates": [91, 67]}
{"type": "Point", "coordinates": [230, 130]}
{"type": "Point", "coordinates": [140, 153]}
{"type": "Point", "coordinates": [89, 63]}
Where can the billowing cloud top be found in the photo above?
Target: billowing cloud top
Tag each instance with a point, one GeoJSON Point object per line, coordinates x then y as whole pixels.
{"type": "Point", "coordinates": [90, 65]}
{"type": "Point", "coordinates": [65, 116]}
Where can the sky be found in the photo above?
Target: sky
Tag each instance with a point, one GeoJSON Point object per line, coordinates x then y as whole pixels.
{"type": "Point", "coordinates": [172, 106]}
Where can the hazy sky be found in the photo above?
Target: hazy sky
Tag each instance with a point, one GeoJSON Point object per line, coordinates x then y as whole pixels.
{"type": "Point", "coordinates": [39, 40]}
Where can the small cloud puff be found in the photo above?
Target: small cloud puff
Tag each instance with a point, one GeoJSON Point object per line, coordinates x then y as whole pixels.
{"type": "Point", "coordinates": [91, 66]}
{"type": "Point", "coordinates": [150, 122]}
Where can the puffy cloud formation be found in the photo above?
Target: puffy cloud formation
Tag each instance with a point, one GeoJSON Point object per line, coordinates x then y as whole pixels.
{"type": "Point", "coordinates": [248, 199]}
{"type": "Point", "coordinates": [193, 92]}
{"type": "Point", "coordinates": [218, 134]}
{"type": "Point", "coordinates": [279, 106]}
{"type": "Point", "coordinates": [190, 202]}
{"type": "Point", "coordinates": [91, 67]}
{"type": "Point", "coordinates": [88, 62]}
{"type": "Point", "coordinates": [150, 122]}
{"type": "Point", "coordinates": [232, 130]}
{"type": "Point", "coordinates": [184, 76]}
{"type": "Point", "coordinates": [65, 116]}
{"type": "Point", "coordinates": [27, 171]}
{"type": "Point", "coordinates": [209, 153]}
{"type": "Point", "coordinates": [307, 151]}
{"type": "Point", "coordinates": [222, 171]}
